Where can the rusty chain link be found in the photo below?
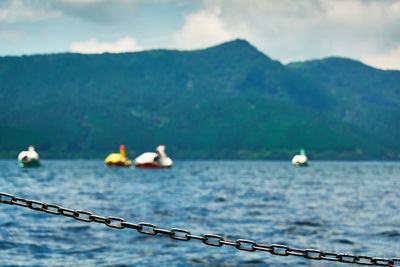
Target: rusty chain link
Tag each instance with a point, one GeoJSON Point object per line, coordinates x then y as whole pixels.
{"type": "Point", "coordinates": [207, 239]}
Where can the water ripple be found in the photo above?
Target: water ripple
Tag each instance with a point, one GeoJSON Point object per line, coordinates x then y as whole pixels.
{"type": "Point", "coordinates": [346, 207]}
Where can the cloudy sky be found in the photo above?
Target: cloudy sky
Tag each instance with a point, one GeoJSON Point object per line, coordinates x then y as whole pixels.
{"type": "Point", "coordinates": [286, 30]}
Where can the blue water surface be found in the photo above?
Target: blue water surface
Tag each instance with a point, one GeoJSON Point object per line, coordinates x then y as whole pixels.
{"type": "Point", "coordinates": [344, 207]}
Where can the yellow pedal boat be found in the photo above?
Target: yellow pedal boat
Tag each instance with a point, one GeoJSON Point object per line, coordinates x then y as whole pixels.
{"type": "Point", "coordinates": [118, 159]}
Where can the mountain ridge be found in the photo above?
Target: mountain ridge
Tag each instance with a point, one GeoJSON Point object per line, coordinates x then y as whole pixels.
{"type": "Point", "coordinates": [225, 102]}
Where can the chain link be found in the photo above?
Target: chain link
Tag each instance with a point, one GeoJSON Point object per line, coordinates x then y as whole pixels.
{"type": "Point", "coordinates": [207, 239]}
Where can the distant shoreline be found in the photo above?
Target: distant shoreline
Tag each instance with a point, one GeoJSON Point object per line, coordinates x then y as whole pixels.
{"type": "Point", "coordinates": [233, 160]}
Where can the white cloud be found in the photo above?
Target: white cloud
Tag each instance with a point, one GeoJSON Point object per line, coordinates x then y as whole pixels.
{"type": "Point", "coordinates": [388, 60]}
{"type": "Point", "coordinates": [90, 2]}
{"type": "Point", "coordinates": [82, 2]}
{"type": "Point", "coordinates": [298, 30]}
{"type": "Point", "coordinates": [286, 30]}
{"type": "Point", "coordinates": [92, 46]}
{"type": "Point", "coordinates": [19, 10]}
{"type": "Point", "coordinates": [201, 29]}
{"type": "Point", "coordinates": [14, 11]}
{"type": "Point", "coordinates": [99, 11]}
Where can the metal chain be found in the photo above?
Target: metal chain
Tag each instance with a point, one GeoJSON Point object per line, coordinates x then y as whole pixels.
{"type": "Point", "coordinates": [207, 239]}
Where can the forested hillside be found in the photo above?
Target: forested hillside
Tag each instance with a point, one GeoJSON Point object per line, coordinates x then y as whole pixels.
{"type": "Point", "coordinates": [226, 102]}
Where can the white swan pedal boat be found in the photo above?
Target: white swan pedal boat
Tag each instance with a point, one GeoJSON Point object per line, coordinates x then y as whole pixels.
{"type": "Point", "coordinates": [152, 160]}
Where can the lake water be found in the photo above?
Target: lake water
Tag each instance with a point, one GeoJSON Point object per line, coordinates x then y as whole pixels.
{"type": "Point", "coordinates": [344, 207]}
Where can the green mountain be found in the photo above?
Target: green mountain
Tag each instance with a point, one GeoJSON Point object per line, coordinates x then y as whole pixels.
{"type": "Point", "coordinates": [369, 97]}
{"type": "Point", "coordinates": [225, 102]}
